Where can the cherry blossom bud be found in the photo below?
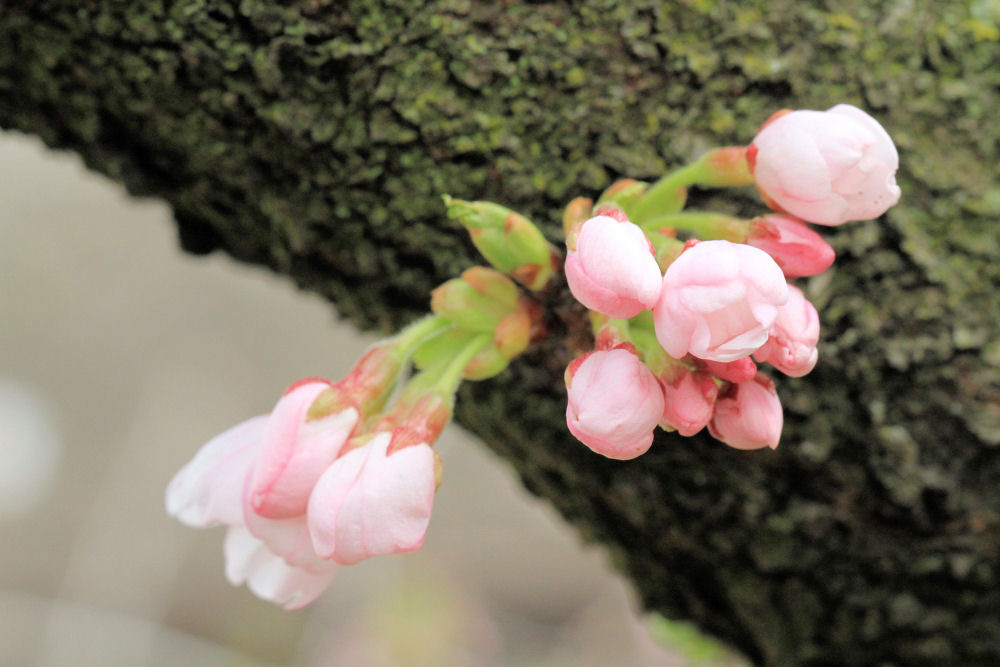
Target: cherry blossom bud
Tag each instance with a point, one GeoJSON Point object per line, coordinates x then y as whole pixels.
{"type": "Point", "coordinates": [748, 415]}
{"type": "Point", "coordinates": [269, 555]}
{"type": "Point", "coordinates": [624, 194]}
{"type": "Point", "coordinates": [508, 240]}
{"type": "Point", "coordinates": [740, 370]}
{"type": "Point", "coordinates": [826, 167]}
{"type": "Point", "coordinates": [688, 402]}
{"type": "Point", "coordinates": [578, 210]}
{"type": "Point", "coordinates": [798, 250]}
{"type": "Point", "coordinates": [296, 449]}
{"type": "Point", "coordinates": [477, 301]}
{"type": "Point", "coordinates": [719, 301]}
{"type": "Point", "coordinates": [370, 503]}
{"type": "Point", "coordinates": [614, 403]}
{"type": "Point", "coordinates": [724, 167]}
{"type": "Point", "coordinates": [791, 348]}
{"type": "Point", "coordinates": [612, 268]}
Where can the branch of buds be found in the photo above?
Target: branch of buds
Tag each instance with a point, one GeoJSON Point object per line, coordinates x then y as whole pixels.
{"type": "Point", "coordinates": [683, 304]}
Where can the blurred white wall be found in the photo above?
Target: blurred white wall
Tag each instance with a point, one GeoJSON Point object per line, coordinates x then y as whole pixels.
{"type": "Point", "coordinates": [119, 357]}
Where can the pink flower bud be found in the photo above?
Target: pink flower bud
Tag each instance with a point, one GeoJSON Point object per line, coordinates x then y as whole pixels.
{"type": "Point", "coordinates": [614, 403]}
{"type": "Point", "coordinates": [688, 402]}
{"type": "Point", "coordinates": [798, 250]}
{"type": "Point", "coordinates": [296, 449]}
{"type": "Point", "coordinates": [212, 489]}
{"type": "Point", "coordinates": [740, 370]}
{"type": "Point", "coordinates": [826, 167]}
{"type": "Point", "coordinates": [612, 269]}
{"type": "Point", "coordinates": [719, 301]}
{"type": "Point", "coordinates": [791, 348]}
{"type": "Point", "coordinates": [748, 415]}
{"type": "Point", "coordinates": [371, 503]}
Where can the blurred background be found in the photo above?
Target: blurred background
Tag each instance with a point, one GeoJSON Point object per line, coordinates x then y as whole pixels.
{"type": "Point", "coordinates": [120, 356]}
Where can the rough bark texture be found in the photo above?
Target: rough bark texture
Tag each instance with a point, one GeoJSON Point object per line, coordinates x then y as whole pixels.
{"type": "Point", "coordinates": [315, 137]}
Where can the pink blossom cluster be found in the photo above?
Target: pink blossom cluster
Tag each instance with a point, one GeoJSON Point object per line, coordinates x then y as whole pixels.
{"type": "Point", "coordinates": [331, 477]}
{"type": "Point", "coordinates": [340, 472]}
{"type": "Point", "coordinates": [308, 488]}
{"type": "Point", "coordinates": [719, 308]}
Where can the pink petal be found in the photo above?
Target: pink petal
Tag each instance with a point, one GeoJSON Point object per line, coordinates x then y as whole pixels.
{"type": "Point", "coordinates": [613, 270]}
{"type": "Point", "coordinates": [701, 314]}
{"type": "Point", "coordinates": [748, 415]}
{"type": "Point", "coordinates": [827, 167]}
{"type": "Point", "coordinates": [613, 404]}
{"type": "Point", "coordinates": [787, 144]}
{"type": "Point", "coordinates": [367, 504]}
{"type": "Point", "coordinates": [296, 451]}
{"type": "Point", "coordinates": [394, 505]}
{"type": "Point", "coordinates": [596, 296]}
{"type": "Point", "coordinates": [688, 402]}
{"type": "Point", "coordinates": [288, 537]}
{"type": "Point", "coordinates": [208, 491]}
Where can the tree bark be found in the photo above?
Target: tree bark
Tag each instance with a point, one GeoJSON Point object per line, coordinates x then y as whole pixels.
{"type": "Point", "coordinates": [316, 137]}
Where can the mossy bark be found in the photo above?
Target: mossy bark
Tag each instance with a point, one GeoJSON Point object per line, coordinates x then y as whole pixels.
{"type": "Point", "coordinates": [316, 137]}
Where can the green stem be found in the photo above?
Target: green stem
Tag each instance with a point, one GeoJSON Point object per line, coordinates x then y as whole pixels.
{"type": "Point", "coordinates": [706, 226]}
{"type": "Point", "coordinates": [451, 377]}
{"type": "Point", "coordinates": [667, 195]}
{"type": "Point", "coordinates": [409, 339]}
{"type": "Point", "coordinates": [443, 377]}
{"type": "Point", "coordinates": [718, 168]}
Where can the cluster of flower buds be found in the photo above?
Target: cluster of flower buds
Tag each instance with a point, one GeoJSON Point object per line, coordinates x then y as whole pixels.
{"type": "Point", "coordinates": [680, 325]}
{"type": "Point", "coordinates": [340, 472]}
{"type": "Point", "coordinates": [333, 476]}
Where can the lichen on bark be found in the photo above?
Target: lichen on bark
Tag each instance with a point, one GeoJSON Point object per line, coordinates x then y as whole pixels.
{"type": "Point", "coordinates": [316, 138]}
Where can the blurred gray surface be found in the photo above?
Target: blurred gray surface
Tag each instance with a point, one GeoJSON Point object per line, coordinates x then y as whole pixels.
{"type": "Point", "coordinates": [119, 357]}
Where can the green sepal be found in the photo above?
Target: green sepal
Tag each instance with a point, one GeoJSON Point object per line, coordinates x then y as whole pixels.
{"type": "Point", "coordinates": [625, 194]}
{"type": "Point", "coordinates": [509, 241]}
{"type": "Point", "coordinates": [457, 301]}
{"type": "Point", "coordinates": [437, 351]}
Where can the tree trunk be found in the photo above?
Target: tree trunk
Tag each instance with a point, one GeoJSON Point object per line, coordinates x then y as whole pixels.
{"type": "Point", "coordinates": [316, 137]}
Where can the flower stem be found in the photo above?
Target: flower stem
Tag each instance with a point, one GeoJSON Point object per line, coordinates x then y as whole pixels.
{"type": "Point", "coordinates": [451, 376]}
{"type": "Point", "coordinates": [444, 375]}
{"type": "Point", "coordinates": [706, 226]}
{"type": "Point", "coordinates": [404, 343]}
{"type": "Point", "coordinates": [718, 168]}
{"type": "Point", "coordinates": [667, 195]}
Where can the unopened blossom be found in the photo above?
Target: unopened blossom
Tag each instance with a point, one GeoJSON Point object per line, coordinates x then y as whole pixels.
{"type": "Point", "coordinates": [740, 370]}
{"type": "Point", "coordinates": [612, 269]}
{"type": "Point", "coordinates": [791, 347]}
{"type": "Point", "coordinates": [688, 401]}
{"type": "Point", "coordinates": [212, 490]}
{"type": "Point", "coordinates": [748, 415]}
{"type": "Point", "coordinates": [296, 449]}
{"type": "Point", "coordinates": [798, 250]}
{"type": "Point", "coordinates": [826, 167]}
{"type": "Point", "coordinates": [719, 301]}
{"type": "Point", "coordinates": [373, 501]}
{"type": "Point", "coordinates": [614, 403]}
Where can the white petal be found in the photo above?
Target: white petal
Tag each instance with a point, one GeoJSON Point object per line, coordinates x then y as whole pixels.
{"type": "Point", "coordinates": [208, 491]}
{"type": "Point", "coordinates": [268, 576]}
